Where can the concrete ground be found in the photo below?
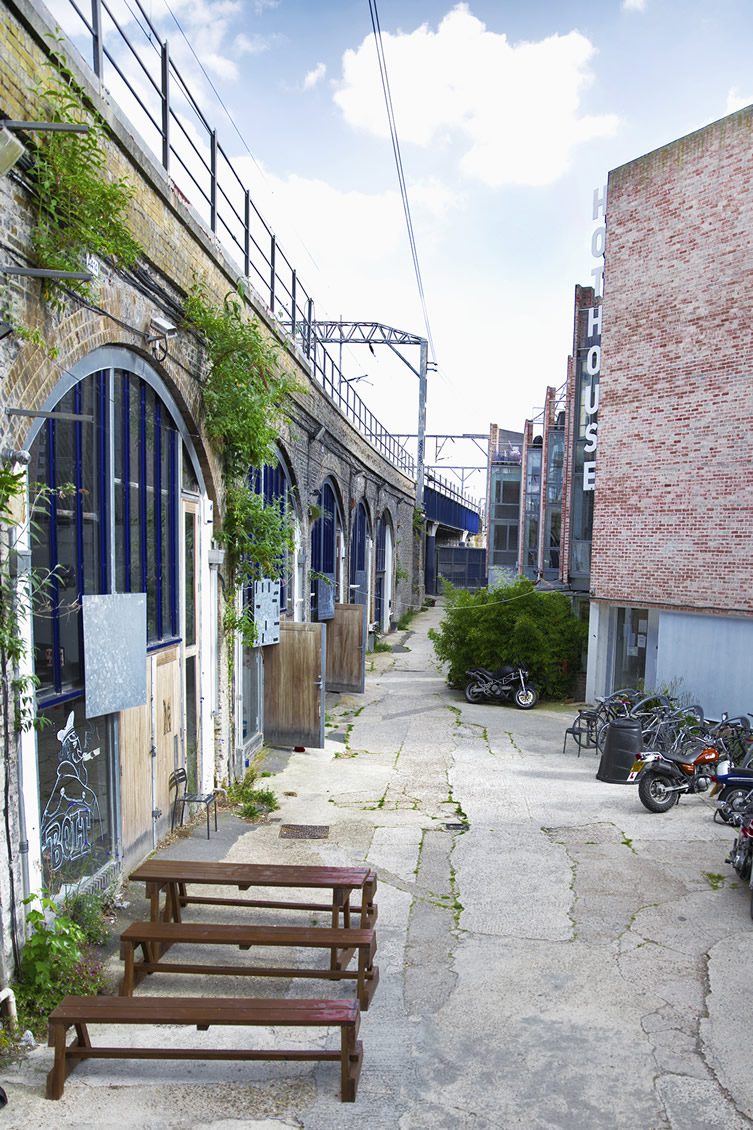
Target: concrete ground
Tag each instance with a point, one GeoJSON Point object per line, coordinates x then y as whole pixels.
{"type": "Point", "coordinates": [551, 954]}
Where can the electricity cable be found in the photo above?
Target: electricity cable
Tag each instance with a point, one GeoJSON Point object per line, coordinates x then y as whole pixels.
{"type": "Point", "coordinates": [399, 165]}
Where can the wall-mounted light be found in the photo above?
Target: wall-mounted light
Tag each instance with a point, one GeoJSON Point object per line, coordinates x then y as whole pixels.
{"type": "Point", "coordinates": [11, 151]}
{"type": "Point", "coordinates": [157, 334]}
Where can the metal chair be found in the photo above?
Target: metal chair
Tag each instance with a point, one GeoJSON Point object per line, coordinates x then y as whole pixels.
{"type": "Point", "coordinates": [179, 777]}
{"type": "Point", "coordinates": [583, 730]}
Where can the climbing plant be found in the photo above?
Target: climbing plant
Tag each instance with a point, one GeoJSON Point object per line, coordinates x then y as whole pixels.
{"type": "Point", "coordinates": [244, 396]}
{"type": "Point", "coordinates": [79, 208]}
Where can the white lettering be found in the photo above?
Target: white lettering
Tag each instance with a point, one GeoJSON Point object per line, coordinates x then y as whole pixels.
{"type": "Point", "coordinates": [600, 202]}
{"type": "Point", "coordinates": [597, 274]}
{"type": "Point", "coordinates": [594, 320]}
{"type": "Point", "coordinates": [593, 361]}
{"type": "Point", "coordinates": [590, 434]}
{"type": "Point", "coordinates": [591, 399]}
{"type": "Point", "coordinates": [598, 241]}
{"type": "Point", "coordinates": [589, 476]}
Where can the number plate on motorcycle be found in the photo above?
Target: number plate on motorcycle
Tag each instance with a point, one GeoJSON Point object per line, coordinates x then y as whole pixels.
{"type": "Point", "coordinates": [635, 770]}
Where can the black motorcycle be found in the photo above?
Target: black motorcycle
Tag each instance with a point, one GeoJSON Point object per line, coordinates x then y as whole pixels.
{"type": "Point", "coordinates": [501, 686]}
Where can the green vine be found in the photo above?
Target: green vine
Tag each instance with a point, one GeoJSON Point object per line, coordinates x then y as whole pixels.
{"type": "Point", "coordinates": [79, 209]}
{"type": "Point", "coordinates": [244, 401]}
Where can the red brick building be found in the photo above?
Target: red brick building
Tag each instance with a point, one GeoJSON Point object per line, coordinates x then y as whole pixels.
{"type": "Point", "coordinates": [672, 552]}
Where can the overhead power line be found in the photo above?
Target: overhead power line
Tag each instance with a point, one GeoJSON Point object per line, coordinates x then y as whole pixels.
{"type": "Point", "coordinates": [399, 164]}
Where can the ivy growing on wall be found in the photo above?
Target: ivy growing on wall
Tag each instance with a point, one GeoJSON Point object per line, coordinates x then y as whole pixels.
{"type": "Point", "coordinates": [244, 401]}
{"type": "Point", "coordinates": [79, 208]}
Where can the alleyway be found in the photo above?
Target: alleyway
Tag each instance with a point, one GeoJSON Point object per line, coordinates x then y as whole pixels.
{"type": "Point", "coordinates": [551, 955]}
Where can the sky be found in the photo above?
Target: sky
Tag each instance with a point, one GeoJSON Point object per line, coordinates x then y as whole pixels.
{"type": "Point", "coordinates": [509, 115]}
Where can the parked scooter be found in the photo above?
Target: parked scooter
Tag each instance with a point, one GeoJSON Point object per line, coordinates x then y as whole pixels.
{"type": "Point", "coordinates": [734, 787]}
{"type": "Point", "coordinates": [500, 686]}
{"type": "Point", "coordinates": [662, 777]}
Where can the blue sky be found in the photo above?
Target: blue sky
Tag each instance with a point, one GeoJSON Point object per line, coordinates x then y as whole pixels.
{"type": "Point", "coordinates": [510, 114]}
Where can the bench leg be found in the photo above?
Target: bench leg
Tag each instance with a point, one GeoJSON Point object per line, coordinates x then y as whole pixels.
{"type": "Point", "coordinates": [368, 978]}
{"type": "Point", "coordinates": [351, 1059]}
{"type": "Point", "coordinates": [63, 1064]}
{"type": "Point", "coordinates": [128, 983]}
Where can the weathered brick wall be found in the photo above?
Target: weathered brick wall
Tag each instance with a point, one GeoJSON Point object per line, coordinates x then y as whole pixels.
{"type": "Point", "coordinates": [673, 521]}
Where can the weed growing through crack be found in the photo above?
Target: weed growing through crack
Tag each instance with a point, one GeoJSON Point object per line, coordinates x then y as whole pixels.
{"type": "Point", "coordinates": [714, 881]}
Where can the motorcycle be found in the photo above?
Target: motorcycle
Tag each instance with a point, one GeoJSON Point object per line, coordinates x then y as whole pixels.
{"type": "Point", "coordinates": [741, 856]}
{"type": "Point", "coordinates": [663, 776]}
{"type": "Point", "coordinates": [733, 786]}
{"type": "Point", "coordinates": [500, 686]}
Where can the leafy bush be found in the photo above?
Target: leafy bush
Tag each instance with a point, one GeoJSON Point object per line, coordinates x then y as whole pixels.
{"type": "Point", "coordinates": [55, 963]}
{"type": "Point", "coordinates": [87, 909]}
{"type": "Point", "coordinates": [511, 624]}
{"type": "Point", "coordinates": [252, 802]}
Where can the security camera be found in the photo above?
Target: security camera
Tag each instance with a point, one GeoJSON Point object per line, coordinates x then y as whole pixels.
{"type": "Point", "coordinates": [162, 327]}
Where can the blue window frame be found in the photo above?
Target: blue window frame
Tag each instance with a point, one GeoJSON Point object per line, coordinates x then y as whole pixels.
{"type": "Point", "coordinates": [273, 483]}
{"type": "Point", "coordinates": [324, 554]}
{"type": "Point", "coordinates": [87, 544]}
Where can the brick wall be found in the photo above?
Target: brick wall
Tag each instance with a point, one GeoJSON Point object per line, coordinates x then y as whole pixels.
{"type": "Point", "coordinates": [673, 522]}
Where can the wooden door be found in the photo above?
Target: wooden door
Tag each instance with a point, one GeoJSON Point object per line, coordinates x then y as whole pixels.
{"type": "Point", "coordinates": [346, 649]}
{"type": "Point", "coordinates": [136, 777]}
{"type": "Point", "coordinates": [294, 686]}
{"type": "Point", "coordinates": [167, 715]}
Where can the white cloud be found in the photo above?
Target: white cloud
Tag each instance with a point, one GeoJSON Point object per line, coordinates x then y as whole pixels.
{"type": "Point", "coordinates": [252, 45]}
{"type": "Point", "coordinates": [515, 108]}
{"type": "Point", "coordinates": [315, 76]}
{"type": "Point", "coordinates": [634, 5]}
{"type": "Point", "coordinates": [736, 100]}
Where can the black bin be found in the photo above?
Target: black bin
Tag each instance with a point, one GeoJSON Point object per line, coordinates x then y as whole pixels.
{"type": "Point", "coordinates": [622, 744]}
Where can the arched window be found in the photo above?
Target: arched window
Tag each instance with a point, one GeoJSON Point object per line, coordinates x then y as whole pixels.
{"type": "Point", "coordinates": [105, 473]}
{"type": "Point", "coordinates": [323, 554]}
{"type": "Point", "coordinates": [109, 522]}
{"type": "Point", "coordinates": [359, 556]}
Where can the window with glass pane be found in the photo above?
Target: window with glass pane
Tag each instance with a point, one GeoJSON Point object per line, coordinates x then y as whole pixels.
{"type": "Point", "coordinates": [75, 794]}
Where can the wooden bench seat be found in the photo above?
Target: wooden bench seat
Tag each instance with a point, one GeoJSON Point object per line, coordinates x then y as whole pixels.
{"type": "Point", "coordinates": [173, 876]}
{"type": "Point", "coordinates": [155, 938]}
{"type": "Point", "coordinates": [202, 1013]}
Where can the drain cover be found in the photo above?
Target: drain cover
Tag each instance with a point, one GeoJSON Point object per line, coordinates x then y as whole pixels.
{"type": "Point", "coordinates": [304, 831]}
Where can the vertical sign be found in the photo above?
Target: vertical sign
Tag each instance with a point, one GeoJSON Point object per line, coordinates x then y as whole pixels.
{"type": "Point", "coordinates": [589, 379]}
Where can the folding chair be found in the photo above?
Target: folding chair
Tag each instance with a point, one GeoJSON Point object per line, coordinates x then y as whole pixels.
{"type": "Point", "coordinates": [180, 777]}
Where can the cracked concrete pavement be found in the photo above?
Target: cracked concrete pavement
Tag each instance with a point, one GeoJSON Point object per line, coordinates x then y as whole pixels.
{"type": "Point", "coordinates": [551, 954]}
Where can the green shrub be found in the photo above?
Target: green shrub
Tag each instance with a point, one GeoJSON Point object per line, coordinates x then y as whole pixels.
{"type": "Point", "coordinates": [55, 962]}
{"type": "Point", "coordinates": [87, 909]}
{"type": "Point", "coordinates": [252, 802]}
{"type": "Point", "coordinates": [511, 624]}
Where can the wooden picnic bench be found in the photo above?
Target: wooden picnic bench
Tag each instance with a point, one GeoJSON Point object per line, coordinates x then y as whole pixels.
{"type": "Point", "coordinates": [155, 938]}
{"type": "Point", "coordinates": [202, 1012]}
{"type": "Point", "coordinates": [174, 876]}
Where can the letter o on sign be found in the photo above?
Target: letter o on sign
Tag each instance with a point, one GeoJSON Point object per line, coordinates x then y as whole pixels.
{"type": "Point", "coordinates": [593, 360]}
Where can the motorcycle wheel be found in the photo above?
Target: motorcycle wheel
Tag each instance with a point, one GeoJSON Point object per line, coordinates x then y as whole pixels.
{"type": "Point", "coordinates": [731, 799]}
{"type": "Point", "coordinates": [526, 699]}
{"type": "Point", "coordinates": [741, 860]}
{"type": "Point", "coordinates": [473, 692]}
{"type": "Point", "coordinates": [653, 790]}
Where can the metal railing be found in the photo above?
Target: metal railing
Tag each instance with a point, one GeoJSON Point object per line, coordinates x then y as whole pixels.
{"type": "Point", "coordinates": [134, 65]}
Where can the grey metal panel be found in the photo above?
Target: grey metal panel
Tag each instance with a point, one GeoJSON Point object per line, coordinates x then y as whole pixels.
{"type": "Point", "coordinates": [114, 652]}
{"type": "Point", "coordinates": [709, 657]}
{"type": "Point", "coordinates": [325, 597]}
{"type": "Point", "coordinates": [267, 612]}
